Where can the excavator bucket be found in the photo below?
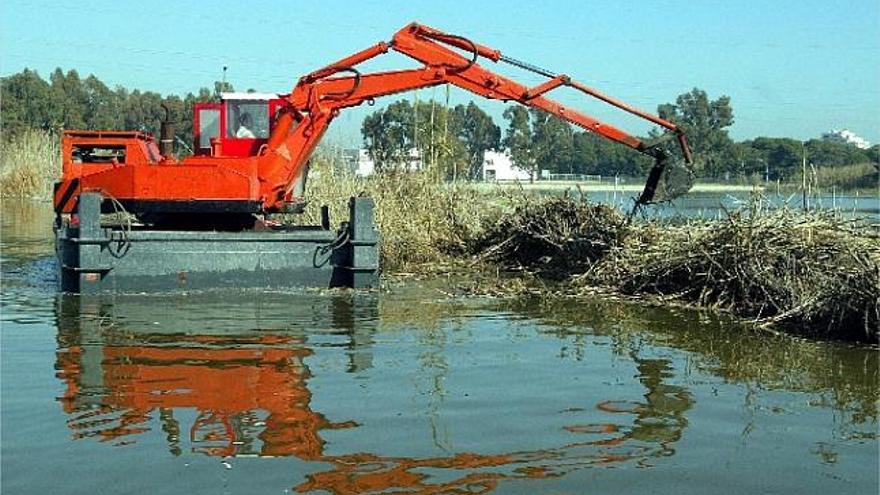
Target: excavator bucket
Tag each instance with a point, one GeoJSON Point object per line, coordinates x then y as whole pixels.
{"type": "Point", "coordinates": [675, 181]}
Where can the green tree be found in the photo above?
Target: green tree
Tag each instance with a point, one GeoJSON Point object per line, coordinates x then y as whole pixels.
{"type": "Point", "coordinates": [705, 122]}
{"type": "Point", "coordinates": [873, 154]}
{"type": "Point", "coordinates": [478, 133]}
{"type": "Point", "coordinates": [747, 161]}
{"type": "Point", "coordinates": [69, 98]}
{"type": "Point", "coordinates": [783, 156]}
{"type": "Point", "coordinates": [27, 103]}
{"type": "Point", "coordinates": [388, 134]}
{"type": "Point", "coordinates": [552, 142]}
{"type": "Point", "coordinates": [222, 87]}
{"type": "Point", "coordinates": [436, 133]}
{"type": "Point", "coordinates": [596, 155]}
{"type": "Point", "coordinates": [439, 139]}
{"type": "Point", "coordinates": [66, 101]}
{"type": "Point", "coordinates": [826, 153]}
{"type": "Point", "coordinates": [142, 111]}
{"type": "Point", "coordinates": [102, 105]}
{"type": "Point", "coordinates": [518, 138]}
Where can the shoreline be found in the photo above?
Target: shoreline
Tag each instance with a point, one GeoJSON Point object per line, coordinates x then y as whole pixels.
{"type": "Point", "coordinates": [590, 186]}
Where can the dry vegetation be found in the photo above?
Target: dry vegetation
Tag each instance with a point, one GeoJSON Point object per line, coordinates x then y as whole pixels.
{"type": "Point", "coordinates": [421, 220]}
{"type": "Point", "coordinates": [812, 274]}
{"type": "Point", "coordinates": [29, 164]}
{"type": "Point", "coordinates": [553, 237]}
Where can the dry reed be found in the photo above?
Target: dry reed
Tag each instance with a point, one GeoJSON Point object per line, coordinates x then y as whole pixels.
{"type": "Point", "coordinates": [422, 220]}
{"type": "Point", "coordinates": [554, 236]}
{"type": "Point", "coordinates": [813, 274]}
{"type": "Point", "coordinates": [29, 164]}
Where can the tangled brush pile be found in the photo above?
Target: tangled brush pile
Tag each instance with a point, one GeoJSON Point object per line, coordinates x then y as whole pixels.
{"type": "Point", "coordinates": [811, 273]}
{"type": "Point", "coordinates": [555, 237]}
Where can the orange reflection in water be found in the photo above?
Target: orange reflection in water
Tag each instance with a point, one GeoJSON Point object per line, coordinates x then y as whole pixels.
{"type": "Point", "coordinates": [225, 385]}
{"type": "Point", "coordinates": [249, 395]}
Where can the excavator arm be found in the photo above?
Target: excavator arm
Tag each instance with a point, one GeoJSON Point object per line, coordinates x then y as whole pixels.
{"type": "Point", "coordinates": [318, 98]}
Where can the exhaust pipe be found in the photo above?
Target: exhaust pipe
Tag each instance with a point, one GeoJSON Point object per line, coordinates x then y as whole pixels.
{"type": "Point", "coordinates": [166, 134]}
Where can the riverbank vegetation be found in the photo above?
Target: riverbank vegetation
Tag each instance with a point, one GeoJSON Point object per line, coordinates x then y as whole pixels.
{"type": "Point", "coordinates": [30, 162]}
{"type": "Point", "coordinates": [813, 274]}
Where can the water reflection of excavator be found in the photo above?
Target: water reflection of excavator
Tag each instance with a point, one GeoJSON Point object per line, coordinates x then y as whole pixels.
{"type": "Point", "coordinates": [241, 388]}
{"type": "Point", "coordinates": [246, 386]}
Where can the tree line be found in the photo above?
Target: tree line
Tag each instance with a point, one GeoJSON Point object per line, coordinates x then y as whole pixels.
{"type": "Point", "coordinates": [452, 139]}
{"type": "Point", "coordinates": [537, 140]}
{"type": "Point", "coordinates": [67, 101]}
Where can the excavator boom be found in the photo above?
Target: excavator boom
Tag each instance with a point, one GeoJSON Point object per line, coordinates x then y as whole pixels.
{"type": "Point", "coordinates": [319, 96]}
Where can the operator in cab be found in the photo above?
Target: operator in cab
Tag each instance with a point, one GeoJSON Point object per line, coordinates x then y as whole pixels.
{"type": "Point", "coordinates": [245, 122]}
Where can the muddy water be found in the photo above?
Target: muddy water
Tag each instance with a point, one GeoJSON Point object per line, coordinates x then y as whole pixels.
{"type": "Point", "coordinates": [410, 391]}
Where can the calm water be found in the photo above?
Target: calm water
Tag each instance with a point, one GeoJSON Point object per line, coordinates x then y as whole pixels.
{"type": "Point", "coordinates": [410, 391]}
{"type": "Point", "coordinates": [712, 205]}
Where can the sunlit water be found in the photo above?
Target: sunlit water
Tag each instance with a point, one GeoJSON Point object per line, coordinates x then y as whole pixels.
{"type": "Point", "coordinates": [712, 205]}
{"type": "Point", "coordinates": [409, 391]}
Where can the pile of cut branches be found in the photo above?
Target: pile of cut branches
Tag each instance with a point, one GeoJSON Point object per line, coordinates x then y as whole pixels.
{"type": "Point", "coordinates": [555, 237]}
{"type": "Point", "coordinates": [812, 274]}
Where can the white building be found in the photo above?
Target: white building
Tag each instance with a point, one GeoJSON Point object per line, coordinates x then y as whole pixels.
{"type": "Point", "coordinates": [360, 163]}
{"type": "Point", "coordinates": [847, 137]}
{"type": "Point", "coordinates": [499, 166]}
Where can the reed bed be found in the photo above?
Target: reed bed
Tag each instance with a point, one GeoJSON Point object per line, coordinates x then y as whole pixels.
{"type": "Point", "coordinates": [424, 223]}
{"type": "Point", "coordinates": [30, 163]}
{"type": "Point", "coordinates": [813, 274]}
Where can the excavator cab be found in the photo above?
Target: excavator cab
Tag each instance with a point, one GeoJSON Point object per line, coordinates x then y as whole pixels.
{"type": "Point", "coordinates": [237, 126]}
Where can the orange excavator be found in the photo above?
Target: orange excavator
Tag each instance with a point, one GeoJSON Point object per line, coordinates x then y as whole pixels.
{"type": "Point", "coordinates": [198, 219]}
{"type": "Point", "coordinates": [259, 170]}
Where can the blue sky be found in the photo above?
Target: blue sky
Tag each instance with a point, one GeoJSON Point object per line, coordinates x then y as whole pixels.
{"type": "Point", "coordinates": [791, 68]}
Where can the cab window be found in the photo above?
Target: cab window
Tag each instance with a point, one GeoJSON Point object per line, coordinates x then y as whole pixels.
{"type": "Point", "coordinates": [247, 119]}
{"type": "Point", "coordinates": [209, 126]}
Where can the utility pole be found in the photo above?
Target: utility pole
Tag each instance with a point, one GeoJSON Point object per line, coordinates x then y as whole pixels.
{"type": "Point", "coordinates": [416, 126]}
{"type": "Point", "coordinates": [446, 129]}
{"type": "Point", "coordinates": [804, 176]}
{"type": "Point", "coordinates": [431, 144]}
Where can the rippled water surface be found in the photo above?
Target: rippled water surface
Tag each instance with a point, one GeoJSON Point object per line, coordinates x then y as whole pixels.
{"type": "Point", "coordinates": [408, 391]}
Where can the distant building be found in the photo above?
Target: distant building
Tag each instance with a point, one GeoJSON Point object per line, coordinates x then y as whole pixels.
{"type": "Point", "coordinates": [358, 161]}
{"type": "Point", "coordinates": [847, 137]}
{"type": "Point", "coordinates": [499, 166]}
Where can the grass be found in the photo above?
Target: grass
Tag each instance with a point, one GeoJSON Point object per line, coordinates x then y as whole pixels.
{"type": "Point", "coordinates": [860, 176]}
{"type": "Point", "coordinates": [809, 273]}
{"type": "Point", "coordinates": [29, 164]}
